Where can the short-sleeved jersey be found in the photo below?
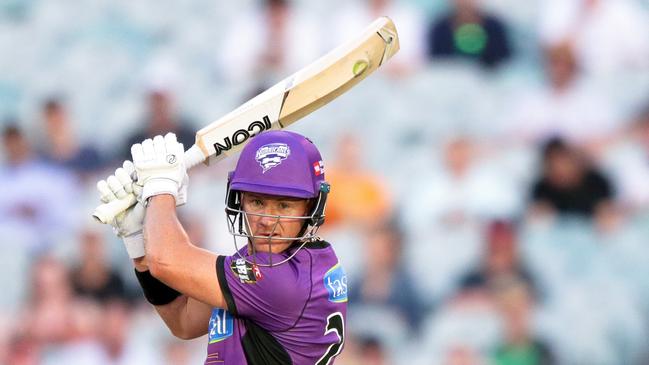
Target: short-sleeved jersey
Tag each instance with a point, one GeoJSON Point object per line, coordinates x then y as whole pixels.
{"type": "Point", "coordinates": [292, 313]}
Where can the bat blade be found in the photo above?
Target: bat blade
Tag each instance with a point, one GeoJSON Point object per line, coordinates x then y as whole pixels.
{"type": "Point", "coordinates": [286, 102]}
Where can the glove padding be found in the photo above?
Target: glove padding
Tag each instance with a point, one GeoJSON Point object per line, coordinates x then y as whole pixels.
{"type": "Point", "coordinates": [128, 224]}
{"type": "Point", "coordinates": [160, 167]}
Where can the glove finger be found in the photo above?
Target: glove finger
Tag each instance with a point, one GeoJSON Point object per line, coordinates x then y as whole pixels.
{"type": "Point", "coordinates": [124, 179]}
{"type": "Point", "coordinates": [180, 151]}
{"type": "Point", "coordinates": [137, 152]}
{"type": "Point", "coordinates": [106, 195]}
{"type": "Point", "coordinates": [173, 146]}
{"type": "Point", "coordinates": [170, 139]}
{"type": "Point", "coordinates": [159, 146]}
{"type": "Point", "coordinates": [148, 149]}
{"type": "Point", "coordinates": [130, 169]}
{"type": "Point", "coordinates": [137, 190]}
{"type": "Point", "coordinates": [116, 187]}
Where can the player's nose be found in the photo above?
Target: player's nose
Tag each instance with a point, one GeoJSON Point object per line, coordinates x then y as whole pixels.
{"type": "Point", "coordinates": [268, 220]}
{"type": "Point", "coordinates": [270, 217]}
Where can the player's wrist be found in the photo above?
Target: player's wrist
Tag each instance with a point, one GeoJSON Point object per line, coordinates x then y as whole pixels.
{"type": "Point", "coordinates": [134, 244]}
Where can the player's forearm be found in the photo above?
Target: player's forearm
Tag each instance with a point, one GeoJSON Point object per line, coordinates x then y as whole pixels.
{"type": "Point", "coordinates": [171, 315]}
{"type": "Point", "coordinates": [164, 236]}
{"type": "Point", "coordinates": [185, 317]}
{"type": "Point", "coordinates": [175, 316]}
{"type": "Point", "coordinates": [173, 260]}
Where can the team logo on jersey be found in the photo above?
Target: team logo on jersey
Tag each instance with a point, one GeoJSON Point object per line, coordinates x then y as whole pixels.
{"type": "Point", "coordinates": [271, 155]}
{"type": "Point", "coordinates": [248, 273]}
{"type": "Point", "coordinates": [221, 325]}
{"type": "Point", "coordinates": [335, 280]}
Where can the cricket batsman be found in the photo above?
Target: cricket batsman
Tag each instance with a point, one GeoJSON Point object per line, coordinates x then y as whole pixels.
{"type": "Point", "coordinates": [282, 297]}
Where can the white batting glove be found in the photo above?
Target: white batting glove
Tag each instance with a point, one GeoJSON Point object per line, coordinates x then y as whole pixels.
{"type": "Point", "coordinates": [127, 225]}
{"type": "Point", "coordinates": [160, 167]}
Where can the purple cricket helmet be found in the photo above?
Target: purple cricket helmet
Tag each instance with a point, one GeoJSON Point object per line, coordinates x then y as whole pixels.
{"type": "Point", "coordinates": [279, 163]}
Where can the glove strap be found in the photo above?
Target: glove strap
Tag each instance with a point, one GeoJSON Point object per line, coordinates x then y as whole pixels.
{"type": "Point", "coordinates": [159, 186]}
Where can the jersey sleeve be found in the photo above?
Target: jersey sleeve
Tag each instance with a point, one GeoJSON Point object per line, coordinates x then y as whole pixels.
{"type": "Point", "coordinates": [273, 297]}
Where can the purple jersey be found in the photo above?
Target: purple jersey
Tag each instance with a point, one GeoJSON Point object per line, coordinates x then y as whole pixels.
{"type": "Point", "coordinates": [293, 313]}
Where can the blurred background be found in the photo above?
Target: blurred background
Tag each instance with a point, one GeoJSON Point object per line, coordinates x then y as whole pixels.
{"type": "Point", "coordinates": [490, 197]}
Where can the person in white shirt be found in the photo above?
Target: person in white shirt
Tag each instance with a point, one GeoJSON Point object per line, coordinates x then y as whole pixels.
{"type": "Point", "coordinates": [566, 106]}
{"type": "Point", "coordinates": [273, 41]}
{"type": "Point", "coordinates": [609, 36]}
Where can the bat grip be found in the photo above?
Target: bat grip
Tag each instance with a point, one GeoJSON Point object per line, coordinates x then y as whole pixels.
{"type": "Point", "coordinates": [193, 156]}
{"type": "Point", "coordinates": [105, 213]}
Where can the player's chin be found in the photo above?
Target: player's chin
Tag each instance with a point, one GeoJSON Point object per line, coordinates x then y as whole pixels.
{"type": "Point", "coordinates": [262, 243]}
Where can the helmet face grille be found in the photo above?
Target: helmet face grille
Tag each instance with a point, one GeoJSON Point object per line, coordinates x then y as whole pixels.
{"type": "Point", "coordinates": [240, 228]}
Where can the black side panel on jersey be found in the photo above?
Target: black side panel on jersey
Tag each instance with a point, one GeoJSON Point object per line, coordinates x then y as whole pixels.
{"type": "Point", "coordinates": [223, 283]}
{"type": "Point", "coordinates": [261, 348]}
{"type": "Point", "coordinates": [317, 244]}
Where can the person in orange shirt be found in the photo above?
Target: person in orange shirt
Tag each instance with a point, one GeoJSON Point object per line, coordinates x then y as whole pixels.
{"type": "Point", "coordinates": [360, 196]}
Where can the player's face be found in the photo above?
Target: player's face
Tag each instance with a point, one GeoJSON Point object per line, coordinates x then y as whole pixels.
{"type": "Point", "coordinates": [270, 225]}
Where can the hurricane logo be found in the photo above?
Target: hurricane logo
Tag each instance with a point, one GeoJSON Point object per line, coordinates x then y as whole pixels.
{"type": "Point", "coordinates": [271, 155]}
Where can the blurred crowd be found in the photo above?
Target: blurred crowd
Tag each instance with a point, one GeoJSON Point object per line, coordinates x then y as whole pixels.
{"type": "Point", "coordinates": [490, 185]}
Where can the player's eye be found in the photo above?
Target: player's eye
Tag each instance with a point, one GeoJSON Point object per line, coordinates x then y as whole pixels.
{"type": "Point", "coordinates": [284, 205]}
{"type": "Point", "coordinates": [254, 203]}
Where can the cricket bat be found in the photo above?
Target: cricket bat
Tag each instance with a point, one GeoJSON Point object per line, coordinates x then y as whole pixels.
{"type": "Point", "coordinates": [284, 103]}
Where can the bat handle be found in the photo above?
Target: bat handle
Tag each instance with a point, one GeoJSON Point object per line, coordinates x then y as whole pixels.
{"type": "Point", "coordinates": [105, 213]}
{"type": "Point", "coordinates": [193, 156]}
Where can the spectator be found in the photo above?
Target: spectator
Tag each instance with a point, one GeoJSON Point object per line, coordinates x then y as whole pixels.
{"type": "Point", "coordinates": [568, 185]}
{"type": "Point", "coordinates": [268, 44]}
{"type": "Point", "coordinates": [100, 336]}
{"type": "Point", "coordinates": [23, 351]}
{"type": "Point", "coordinates": [500, 261]}
{"type": "Point", "coordinates": [93, 277]}
{"type": "Point", "coordinates": [385, 281]}
{"type": "Point", "coordinates": [48, 316]}
{"type": "Point", "coordinates": [177, 353]}
{"type": "Point", "coordinates": [627, 162]}
{"type": "Point", "coordinates": [605, 33]}
{"type": "Point", "coordinates": [61, 146]}
{"type": "Point", "coordinates": [462, 332]}
{"type": "Point", "coordinates": [360, 197]}
{"type": "Point", "coordinates": [468, 32]}
{"type": "Point", "coordinates": [81, 345]}
{"type": "Point", "coordinates": [163, 117]}
{"type": "Point", "coordinates": [463, 355]}
{"type": "Point", "coordinates": [444, 211]}
{"type": "Point", "coordinates": [33, 193]}
{"type": "Point", "coordinates": [350, 353]}
{"type": "Point", "coordinates": [564, 106]}
{"type": "Point", "coordinates": [372, 352]}
{"type": "Point", "coordinates": [460, 191]}
{"type": "Point", "coordinates": [115, 337]}
{"type": "Point", "coordinates": [350, 20]}
{"type": "Point", "coordinates": [519, 345]}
